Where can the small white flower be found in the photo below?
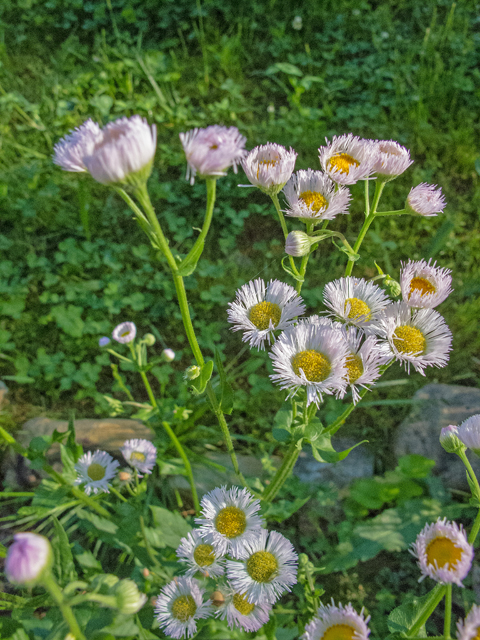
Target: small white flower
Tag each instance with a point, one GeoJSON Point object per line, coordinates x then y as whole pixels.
{"type": "Point", "coordinates": [340, 622]}
{"type": "Point", "coordinates": [211, 151]}
{"type": "Point", "coordinates": [260, 310]}
{"type": "Point", "coordinates": [310, 355]}
{"type": "Point", "coordinates": [425, 200]}
{"type": "Point", "coordinates": [28, 558]}
{"type": "Point", "coordinates": [267, 566]}
{"type": "Point", "coordinates": [348, 159]}
{"type": "Point", "coordinates": [95, 470]}
{"type": "Point", "coordinates": [168, 355]}
{"type": "Point", "coordinates": [229, 519]}
{"type": "Point", "coordinates": [423, 284]}
{"type": "Point", "coordinates": [70, 151]}
{"type": "Point", "coordinates": [179, 605]}
{"type": "Point", "coordinates": [269, 167]}
{"type": "Point", "coordinates": [392, 159]}
{"type": "Point", "coordinates": [443, 552]}
{"type": "Point", "coordinates": [199, 555]}
{"type": "Point", "coordinates": [297, 23]}
{"type": "Point", "coordinates": [124, 332]}
{"type": "Point", "coordinates": [313, 196]}
{"type": "Point", "coordinates": [355, 300]}
{"type": "Point", "coordinates": [419, 338]}
{"type": "Point", "coordinates": [140, 454]}
{"type": "Point", "coordinates": [470, 627]}
{"type": "Point", "coordinates": [241, 613]}
{"type": "Point", "coordinates": [469, 433]}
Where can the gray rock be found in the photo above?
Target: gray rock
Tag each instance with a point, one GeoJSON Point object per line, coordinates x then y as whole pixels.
{"type": "Point", "coordinates": [437, 406]}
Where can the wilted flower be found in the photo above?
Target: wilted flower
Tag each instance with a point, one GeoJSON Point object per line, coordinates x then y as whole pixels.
{"type": "Point", "coordinates": [269, 167]}
{"type": "Point", "coordinates": [469, 433]}
{"type": "Point", "coordinates": [392, 159]}
{"type": "Point", "coordinates": [340, 622]}
{"type": "Point", "coordinates": [28, 558]}
{"type": "Point", "coordinates": [70, 151]}
{"type": "Point", "coordinates": [96, 470]}
{"type": "Point", "coordinates": [124, 332]}
{"type": "Point", "coordinates": [140, 454]}
{"type": "Point", "coordinates": [423, 284]}
{"type": "Point", "coordinates": [312, 196]}
{"type": "Point", "coordinates": [425, 200]}
{"type": "Point", "coordinates": [348, 159]}
{"type": "Point", "coordinates": [179, 606]}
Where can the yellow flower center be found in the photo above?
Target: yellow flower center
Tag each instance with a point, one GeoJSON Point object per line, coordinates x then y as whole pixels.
{"type": "Point", "coordinates": [422, 285]}
{"type": "Point", "coordinates": [184, 608]}
{"type": "Point", "coordinates": [241, 604]}
{"type": "Point", "coordinates": [354, 366]}
{"type": "Point", "coordinates": [266, 163]}
{"type": "Point", "coordinates": [263, 312]}
{"type": "Point", "coordinates": [231, 522]}
{"type": "Point", "coordinates": [204, 555]}
{"type": "Point", "coordinates": [442, 551]}
{"type": "Point", "coordinates": [137, 455]}
{"type": "Point", "coordinates": [262, 566]}
{"type": "Point", "coordinates": [314, 200]}
{"type": "Point", "coordinates": [95, 471]}
{"type": "Point", "coordinates": [125, 334]}
{"type": "Point", "coordinates": [339, 632]}
{"type": "Point", "coordinates": [357, 308]}
{"type": "Point", "coordinates": [477, 634]}
{"type": "Point", "coordinates": [409, 339]}
{"type": "Point", "coordinates": [315, 365]}
{"type": "Point", "coordinates": [342, 162]}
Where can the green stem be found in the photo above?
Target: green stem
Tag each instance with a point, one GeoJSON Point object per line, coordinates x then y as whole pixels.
{"type": "Point", "coordinates": [434, 599]}
{"type": "Point", "coordinates": [463, 456]}
{"type": "Point", "coordinates": [303, 266]}
{"type": "Point", "coordinates": [447, 624]}
{"type": "Point", "coordinates": [367, 199]}
{"type": "Point", "coordinates": [475, 528]}
{"type": "Point", "coordinates": [399, 212]}
{"type": "Point", "coordinates": [118, 494]}
{"type": "Point", "coordinates": [67, 613]}
{"type": "Point", "coordinates": [282, 473]}
{"type": "Point", "coordinates": [211, 190]}
{"type": "Point", "coordinates": [283, 224]}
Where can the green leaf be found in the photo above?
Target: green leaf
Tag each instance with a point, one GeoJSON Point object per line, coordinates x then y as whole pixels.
{"type": "Point", "coordinates": [280, 510]}
{"type": "Point", "coordinates": [290, 272]}
{"type": "Point", "coordinates": [404, 617]}
{"type": "Point", "coordinates": [172, 526]}
{"type": "Point", "coordinates": [72, 445]}
{"type": "Point", "coordinates": [283, 419]}
{"type": "Point", "coordinates": [281, 435]}
{"type": "Point", "coordinates": [200, 383]}
{"type": "Point", "coordinates": [102, 524]}
{"type": "Point", "coordinates": [12, 630]}
{"type": "Point", "coordinates": [286, 67]}
{"type": "Point", "coordinates": [188, 265]}
{"type": "Point", "coordinates": [228, 395]}
{"type": "Point", "coordinates": [68, 462]}
{"type": "Point", "coordinates": [313, 430]}
{"type": "Point", "coordinates": [328, 454]}
{"type": "Point", "coordinates": [87, 560]}
{"type": "Point", "coordinates": [62, 553]}
{"type": "Point", "coordinates": [415, 466]}
{"type": "Point", "coordinates": [3, 551]}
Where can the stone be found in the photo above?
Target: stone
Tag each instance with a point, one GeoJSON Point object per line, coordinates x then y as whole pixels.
{"type": "Point", "coordinates": [437, 406]}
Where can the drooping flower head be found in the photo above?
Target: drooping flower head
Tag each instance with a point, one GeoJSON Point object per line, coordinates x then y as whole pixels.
{"type": "Point", "coordinates": [348, 159]}
{"type": "Point", "coordinates": [95, 470]}
{"type": "Point", "coordinates": [392, 160]}
{"type": "Point", "coordinates": [266, 568]}
{"type": "Point", "coordinates": [140, 454]}
{"type": "Point", "coordinates": [340, 622]}
{"type": "Point", "coordinates": [241, 613]}
{"type": "Point", "coordinates": [425, 200]}
{"type": "Point", "coordinates": [200, 555]}
{"type": "Point", "coordinates": [469, 629]}
{"type": "Point", "coordinates": [70, 151]}
{"type": "Point", "coordinates": [469, 433]}
{"type": "Point", "coordinates": [443, 552]}
{"type": "Point", "coordinates": [28, 558]}
{"type": "Point", "coordinates": [423, 284]}
{"type": "Point", "coordinates": [355, 301]}
{"type": "Point", "coordinates": [124, 332]}
{"type": "Point", "coordinates": [229, 519]}
{"type": "Point", "coordinates": [269, 167]}
{"type": "Point", "coordinates": [260, 310]}
{"type": "Point", "coordinates": [211, 151]}
{"type": "Point", "coordinates": [179, 606]}
{"type": "Point", "coordinates": [312, 196]}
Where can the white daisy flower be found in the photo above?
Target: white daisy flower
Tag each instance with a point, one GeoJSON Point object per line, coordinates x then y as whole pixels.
{"type": "Point", "coordinates": [70, 151]}
{"type": "Point", "coordinates": [179, 606]}
{"type": "Point", "coordinates": [423, 284]}
{"type": "Point", "coordinates": [348, 159]}
{"type": "Point", "coordinates": [425, 200]}
{"type": "Point", "coordinates": [241, 613]}
{"type": "Point", "coordinates": [333, 622]}
{"type": "Point", "coordinates": [267, 566]}
{"type": "Point", "coordinates": [269, 167]}
{"type": "Point", "coordinates": [443, 552]}
{"type": "Point", "coordinates": [230, 519]}
{"type": "Point", "coordinates": [313, 196]}
{"type": "Point", "coordinates": [392, 160]}
{"type": "Point", "coordinates": [124, 332]}
{"type": "Point", "coordinates": [469, 629]}
{"type": "Point", "coordinates": [355, 300]}
{"type": "Point", "coordinates": [313, 356]}
{"type": "Point", "coordinates": [323, 321]}
{"type": "Point", "coordinates": [261, 310]}
{"type": "Point", "coordinates": [211, 151]}
{"type": "Point", "coordinates": [419, 338]}
{"type": "Point", "coordinates": [140, 454]}
{"type": "Point", "coordinates": [199, 555]}
{"type": "Point", "coordinates": [96, 470]}
{"type": "Point", "coordinates": [469, 433]}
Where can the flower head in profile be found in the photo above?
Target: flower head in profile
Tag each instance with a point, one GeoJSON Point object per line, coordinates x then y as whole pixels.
{"type": "Point", "coordinates": [469, 629]}
{"type": "Point", "coordinates": [242, 614]}
{"type": "Point", "coordinates": [391, 160]}
{"type": "Point", "coordinates": [70, 151]}
{"type": "Point", "coordinates": [425, 200]}
{"type": "Point", "coordinates": [199, 555]}
{"type": "Point", "coordinates": [355, 301]}
{"type": "Point", "coordinates": [28, 558]}
{"type": "Point", "coordinates": [269, 167]}
{"type": "Point", "coordinates": [424, 285]}
{"type": "Point", "coordinates": [449, 439]}
{"type": "Point", "coordinates": [312, 196]}
{"type": "Point", "coordinates": [211, 151]}
{"type": "Point", "coordinates": [179, 606]}
{"type": "Point", "coordinates": [298, 243]}
{"type": "Point", "coordinates": [124, 332]}
{"type": "Point", "coordinates": [129, 599]}
{"type": "Point", "coordinates": [340, 622]}
{"type": "Point", "coordinates": [443, 552]}
{"type": "Point", "coordinates": [140, 454]}
{"type": "Point", "coordinates": [348, 159]}
{"type": "Point", "coordinates": [259, 310]}
{"type": "Point", "coordinates": [95, 470]}
{"type": "Point", "coordinates": [469, 433]}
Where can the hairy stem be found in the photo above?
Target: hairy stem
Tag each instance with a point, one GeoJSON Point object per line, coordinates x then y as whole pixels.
{"type": "Point", "coordinates": [67, 613]}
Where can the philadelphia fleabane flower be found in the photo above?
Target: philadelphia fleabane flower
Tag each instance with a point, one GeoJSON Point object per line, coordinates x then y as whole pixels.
{"type": "Point", "coordinates": [443, 552]}
{"type": "Point", "coordinates": [469, 629]}
{"type": "Point", "coordinates": [260, 310]}
{"type": "Point", "coordinates": [28, 558]}
{"type": "Point", "coordinates": [313, 356]}
{"type": "Point", "coordinates": [95, 470]}
{"type": "Point", "coordinates": [230, 519]}
{"type": "Point", "coordinates": [70, 151]}
{"type": "Point", "coordinates": [269, 167]}
{"type": "Point", "coordinates": [469, 433]}
{"type": "Point", "coordinates": [211, 151]}
{"type": "Point", "coordinates": [419, 338]}
{"type": "Point", "coordinates": [298, 243]}
{"type": "Point", "coordinates": [241, 613]}
{"type": "Point", "coordinates": [140, 454]}
{"type": "Point", "coordinates": [179, 606]}
{"type": "Point", "coordinates": [340, 622]}
{"type": "Point", "coordinates": [423, 284]}
{"type": "Point", "coordinates": [348, 159]}
{"type": "Point", "coordinates": [124, 332]}
{"type": "Point", "coordinates": [199, 555]}
{"type": "Point", "coordinates": [355, 300]}
{"type": "Point", "coordinates": [391, 160]}
{"type": "Point", "coordinates": [425, 200]}
{"type": "Point", "coordinates": [313, 196]}
{"type": "Point", "coordinates": [266, 568]}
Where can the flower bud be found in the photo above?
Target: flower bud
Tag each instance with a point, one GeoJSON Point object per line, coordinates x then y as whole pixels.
{"type": "Point", "coordinates": [168, 355]}
{"type": "Point", "coordinates": [129, 599]}
{"type": "Point", "coordinates": [125, 476]}
{"type": "Point", "coordinates": [297, 23]}
{"type": "Point", "coordinates": [392, 287]}
{"type": "Point", "coordinates": [217, 598]}
{"type": "Point", "coordinates": [298, 243]}
{"type": "Point", "coordinates": [192, 372]}
{"type": "Point", "coordinates": [149, 339]}
{"type": "Point", "coordinates": [449, 439]}
{"type": "Point", "coordinates": [425, 200]}
{"type": "Point", "coordinates": [28, 558]}
{"type": "Point", "coordinates": [145, 572]}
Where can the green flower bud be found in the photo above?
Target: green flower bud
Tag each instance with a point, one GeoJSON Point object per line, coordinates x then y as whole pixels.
{"type": "Point", "coordinates": [298, 243]}
{"type": "Point", "coordinates": [392, 287]}
{"type": "Point", "coordinates": [129, 599]}
{"type": "Point", "coordinates": [149, 339]}
{"type": "Point", "coordinates": [450, 440]}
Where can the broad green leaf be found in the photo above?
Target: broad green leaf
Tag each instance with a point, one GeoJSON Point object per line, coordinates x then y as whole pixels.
{"type": "Point", "coordinates": [281, 435]}
{"type": "Point", "coordinates": [404, 617]}
{"type": "Point", "coordinates": [87, 560]}
{"type": "Point", "coordinates": [200, 383]}
{"type": "Point", "coordinates": [12, 630]}
{"type": "Point", "coordinates": [280, 510]}
{"type": "Point", "coordinates": [415, 466]}
{"type": "Point", "coordinates": [172, 526]}
{"type": "Point", "coordinates": [324, 445]}
{"type": "Point", "coordinates": [102, 524]}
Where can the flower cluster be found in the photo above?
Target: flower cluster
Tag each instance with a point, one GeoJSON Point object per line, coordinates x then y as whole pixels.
{"type": "Point", "coordinates": [252, 567]}
{"type": "Point", "coordinates": [333, 622]}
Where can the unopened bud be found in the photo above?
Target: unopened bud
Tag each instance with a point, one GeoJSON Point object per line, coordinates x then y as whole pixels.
{"type": "Point", "coordinates": [192, 372]}
{"type": "Point", "coordinates": [103, 341]}
{"type": "Point", "coordinates": [217, 598]}
{"type": "Point", "coordinates": [449, 439]}
{"type": "Point", "coordinates": [297, 23]}
{"type": "Point", "coordinates": [28, 558]}
{"type": "Point", "coordinates": [145, 572]}
{"type": "Point", "coordinates": [149, 339]}
{"type": "Point", "coordinates": [129, 598]}
{"type": "Point", "coordinates": [298, 243]}
{"type": "Point", "coordinates": [392, 287]}
{"type": "Point", "coordinates": [124, 476]}
{"type": "Point", "coordinates": [168, 355]}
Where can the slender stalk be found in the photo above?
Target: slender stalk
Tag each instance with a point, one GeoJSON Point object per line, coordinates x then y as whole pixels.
{"type": "Point", "coordinates": [463, 456]}
{"type": "Point", "coordinates": [447, 624]}
{"type": "Point", "coordinates": [475, 528]}
{"type": "Point", "coordinates": [367, 199]}
{"type": "Point", "coordinates": [118, 494]}
{"type": "Point", "coordinates": [67, 613]}
{"type": "Point", "coordinates": [283, 224]}
{"type": "Point", "coordinates": [282, 473]}
{"type": "Point", "coordinates": [399, 212]}
{"type": "Point", "coordinates": [303, 266]}
{"type": "Point", "coordinates": [211, 191]}
{"type": "Point", "coordinates": [434, 599]}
